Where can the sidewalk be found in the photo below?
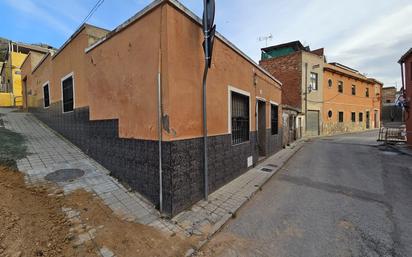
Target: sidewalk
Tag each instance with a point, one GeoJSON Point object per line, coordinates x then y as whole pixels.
{"type": "Point", "coordinates": [49, 152]}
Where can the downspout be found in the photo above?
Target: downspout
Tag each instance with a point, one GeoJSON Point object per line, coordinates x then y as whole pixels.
{"type": "Point", "coordinates": [306, 98]}
{"type": "Point", "coordinates": [160, 115]}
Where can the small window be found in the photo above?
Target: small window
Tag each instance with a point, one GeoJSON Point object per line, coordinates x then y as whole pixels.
{"type": "Point", "coordinates": [361, 117]}
{"type": "Point", "coordinates": [353, 117]}
{"type": "Point", "coordinates": [367, 92]}
{"type": "Point", "coordinates": [340, 86]}
{"type": "Point", "coordinates": [240, 118]}
{"type": "Point", "coordinates": [330, 114]}
{"type": "Point", "coordinates": [330, 83]}
{"type": "Point", "coordinates": [340, 116]}
{"type": "Point", "coordinates": [274, 119]}
{"type": "Point", "coordinates": [67, 90]}
{"type": "Point", "coordinates": [353, 89]}
{"type": "Point", "coordinates": [46, 96]}
{"type": "Point", "coordinates": [313, 81]}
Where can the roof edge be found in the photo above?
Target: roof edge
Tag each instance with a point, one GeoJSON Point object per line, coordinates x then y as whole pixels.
{"type": "Point", "coordinates": [191, 15]}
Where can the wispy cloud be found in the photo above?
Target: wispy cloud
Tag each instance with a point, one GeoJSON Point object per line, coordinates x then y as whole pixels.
{"type": "Point", "coordinates": [32, 9]}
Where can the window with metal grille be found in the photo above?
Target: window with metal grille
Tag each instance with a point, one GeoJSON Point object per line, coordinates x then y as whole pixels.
{"type": "Point", "coordinates": [361, 117]}
{"type": "Point", "coordinates": [313, 81]}
{"type": "Point", "coordinates": [353, 89]}
{"type": "Point", "coordinates": [67, 88]}
{"type": "Point", "coordinates": [367, 92]}
{"type": "Point", "coordinates": [353, 117]}
{"type": "Point", "coordinates": [274, 120]}
{"type": "Point", "coordinates": [46, 96]}
{"type": "Point", "coordinates": [340, 86]}
{"type": "Point", "coordinates": [240, 118]}
{"type": "Point", "coordinates": [340, 116]}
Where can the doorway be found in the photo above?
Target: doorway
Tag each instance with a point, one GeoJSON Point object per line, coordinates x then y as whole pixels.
{"type": "Point", "coordinates": [312, 128]}
{"type": "Point", "coordinates": [25, 101]}
{"type": "Point", "coordinates": [367, 120]}
{"type": "Point", "coordinates": [261, 127]}
{"type": "Point", "coordinates": [375, 117]}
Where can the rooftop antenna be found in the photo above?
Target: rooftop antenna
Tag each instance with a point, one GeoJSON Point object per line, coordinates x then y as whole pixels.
{"type": "Point", "coordinates": [266, 38]}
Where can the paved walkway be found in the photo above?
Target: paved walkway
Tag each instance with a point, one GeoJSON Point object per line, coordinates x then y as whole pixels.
{"type": "Point", "coordinates": [49, 152]}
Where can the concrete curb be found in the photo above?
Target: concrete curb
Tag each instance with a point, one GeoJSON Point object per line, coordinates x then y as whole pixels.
{"type": "Point", "coordinates": [296, 146]}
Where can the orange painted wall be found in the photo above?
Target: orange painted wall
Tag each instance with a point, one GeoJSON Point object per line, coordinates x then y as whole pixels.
{"type": "Point", "coordinates": [348, 103]}
{"type": "Point", "coordinates": [117, 79]}
{"type": "Point", "coordinates": [185, 61]}
{"type": "Point", "coordinates": [122, 77]}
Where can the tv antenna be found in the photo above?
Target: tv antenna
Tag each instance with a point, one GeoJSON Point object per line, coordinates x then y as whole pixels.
{"type": "Point", "coordinates": [266, 38]}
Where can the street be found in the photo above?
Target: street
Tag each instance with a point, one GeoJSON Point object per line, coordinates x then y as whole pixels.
{"type": "Point", "coordinates": [338, 196]}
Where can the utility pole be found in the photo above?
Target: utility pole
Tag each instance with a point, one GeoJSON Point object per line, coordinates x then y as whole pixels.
{"type": "Point", "coordinates": [209, 32]}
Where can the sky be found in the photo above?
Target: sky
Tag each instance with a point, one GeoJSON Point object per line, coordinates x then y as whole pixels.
{"type": "Point", "coordinates": [367, 35]}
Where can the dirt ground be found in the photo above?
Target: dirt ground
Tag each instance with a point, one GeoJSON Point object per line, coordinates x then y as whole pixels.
{"type": "Point", "coordinates": [32, 223]}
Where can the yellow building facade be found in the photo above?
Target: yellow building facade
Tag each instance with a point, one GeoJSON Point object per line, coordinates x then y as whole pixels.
{"type": "Point", "coordinates": [11, 90]}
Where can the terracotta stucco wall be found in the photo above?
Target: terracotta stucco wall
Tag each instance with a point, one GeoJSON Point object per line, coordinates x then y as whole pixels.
{"type": "Point", "coordinates": [186, 63]}
{"type": "Point", "coordinates": [347, 103]}
{"type": "Point", "coordinates": [122, 75]}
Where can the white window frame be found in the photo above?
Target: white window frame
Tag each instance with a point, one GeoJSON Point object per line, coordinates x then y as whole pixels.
{"type": "Point", "coordinates": [231, 89]}
{"type": "Point", "coordinates": [317, 81]}
{"type": "Point", "coordinates": [47, 83]}
{"type": "Point", "coordinates": [71, 74]}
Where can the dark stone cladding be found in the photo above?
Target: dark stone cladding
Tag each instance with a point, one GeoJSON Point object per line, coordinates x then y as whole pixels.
{"type": "Point", "coordinates": [225, 162]}
{"type": "Point", "coordinates": [135, 162]}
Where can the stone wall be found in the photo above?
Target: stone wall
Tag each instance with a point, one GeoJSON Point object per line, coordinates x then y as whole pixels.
{"type": "Point", "coordinates": [135, 162]}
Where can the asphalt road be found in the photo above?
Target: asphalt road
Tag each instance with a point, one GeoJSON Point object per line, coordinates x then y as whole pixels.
{"type": "Point", "coordinates": [338, 196]}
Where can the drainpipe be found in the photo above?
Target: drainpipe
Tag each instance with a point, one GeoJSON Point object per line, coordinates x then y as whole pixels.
{"type": "Point", "coordinates": [159, 131]}
{"type": "Point", "coordinates": [306, 98]}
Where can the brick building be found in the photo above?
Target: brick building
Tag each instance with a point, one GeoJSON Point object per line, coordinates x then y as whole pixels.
{"type": "Point", "coordinates": [331, 97]}
{"type": "Point", "coordinates": [406, 73]}
{"type": "Point", "coordinates": [131, 98]}
{"type": "Point", "coordinates": [294, 65]}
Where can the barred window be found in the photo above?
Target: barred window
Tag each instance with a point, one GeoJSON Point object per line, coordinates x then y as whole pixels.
{"type": "Point", "coordinates": [68, 100]}
{"type": "Point", "coordinates": [274, 121]}
{"type": "Point", "coordinates": [353, 117]}
{"type": "Point", "coordinates": [240, 118]}
{"type": "Point", "coordinates": [340, 116]}
{"type": "Point", "coordinates": [46, 96]}
{"type": "Point", "coordinates": [361, 117]}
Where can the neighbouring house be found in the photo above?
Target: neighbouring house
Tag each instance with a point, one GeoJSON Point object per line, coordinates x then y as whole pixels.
{"type": "Point", "coordinates": [331, 97]}
{"type": "Point", "coordinates": [290, 62]}
{"type": "Point", "coordinates": [406, 74]}
{"type": "Point", "coordinates": [11, 91]}
{"type": "Point", "coordinates": [352, 102]}
{"type": "Point", "coordinates": [392, 113]}
{"type": "Point", "coordinates": [131, 98]}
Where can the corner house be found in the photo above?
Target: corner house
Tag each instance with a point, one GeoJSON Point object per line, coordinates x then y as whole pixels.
{"type": "Point", "coordinates": [123, 94]}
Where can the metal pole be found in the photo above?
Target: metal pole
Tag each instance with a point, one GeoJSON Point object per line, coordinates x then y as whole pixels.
{"type": "Point", "coordinates": [159, 130]}
{"type": "Point", "coordinates": [207, 57]}
{"type": "Point", "coordinates": [306, 97]}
